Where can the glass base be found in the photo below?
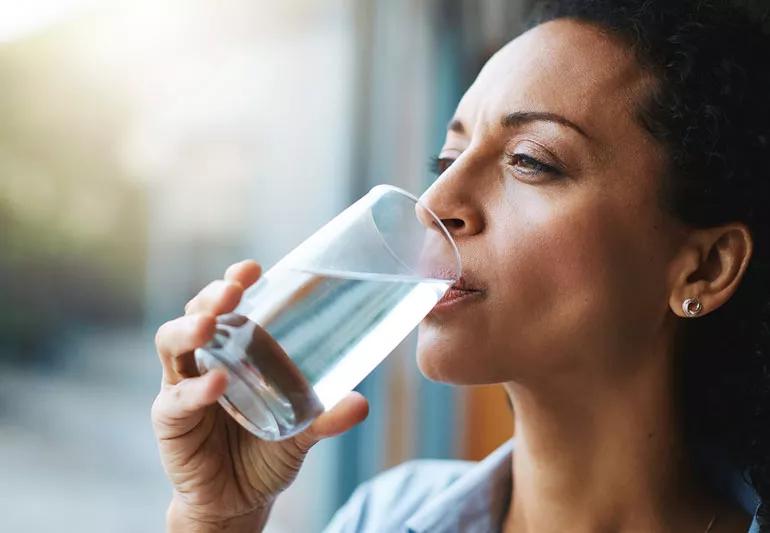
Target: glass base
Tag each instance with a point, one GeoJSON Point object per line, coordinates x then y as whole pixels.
{"type": "Point", "coordinates": [266, 393]}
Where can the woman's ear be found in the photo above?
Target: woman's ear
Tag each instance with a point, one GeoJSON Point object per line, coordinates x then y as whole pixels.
{"type": "Point", "coordinates": [710, 266]}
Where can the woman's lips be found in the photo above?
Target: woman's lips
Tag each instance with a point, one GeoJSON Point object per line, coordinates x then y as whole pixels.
{"type": "Point", "coordinates": [458, 293]}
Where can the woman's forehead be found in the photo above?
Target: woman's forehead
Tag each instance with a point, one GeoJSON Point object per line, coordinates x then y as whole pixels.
{"type": "Point", "coordinates": [563, 67]}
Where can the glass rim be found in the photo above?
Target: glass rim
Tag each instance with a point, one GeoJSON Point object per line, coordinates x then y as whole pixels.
{"type": "Point", "coordinates": [445, 231]}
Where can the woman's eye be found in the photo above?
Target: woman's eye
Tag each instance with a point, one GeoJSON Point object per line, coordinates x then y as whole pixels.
{"type": "Point", "coordinates": [529, 166]}
{"type": "Point", "coordinates": [439, 164]}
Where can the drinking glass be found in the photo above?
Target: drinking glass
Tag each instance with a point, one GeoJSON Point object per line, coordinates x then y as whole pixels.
{"type": "Point", "coordinates": [321, 319]}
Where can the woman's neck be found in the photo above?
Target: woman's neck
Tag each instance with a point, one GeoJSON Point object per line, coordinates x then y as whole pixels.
{"type": "Point", "coordinates": [601, 452]}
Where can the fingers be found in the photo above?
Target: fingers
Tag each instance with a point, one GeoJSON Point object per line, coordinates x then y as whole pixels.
{"type": "Point", "coordinates": [222, 296]}
{"type": "Point", "coordinates": [175, 341]}
{"type": "Point", "coordinates": [351, 410]}
{"type": "Point", "coordinates": [246, 273]}
{"type": "Point", "coordinates": [217, 297]}
{"type": "Point", "coordinates": [180, 407]}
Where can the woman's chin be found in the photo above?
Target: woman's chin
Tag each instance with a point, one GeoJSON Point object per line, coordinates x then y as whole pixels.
{"type": "Point", "coordinates": [434, 368]}
{"type": "Point", "coordinates": [439, 360]}
{"type": "Point", "coordinates": [459, 357]}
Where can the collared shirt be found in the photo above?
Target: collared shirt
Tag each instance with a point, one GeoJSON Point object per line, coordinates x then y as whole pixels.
{"type": "Point", "coordinates": [449, 496]}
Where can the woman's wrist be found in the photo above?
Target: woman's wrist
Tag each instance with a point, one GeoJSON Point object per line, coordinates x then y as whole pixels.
{"type": "Point", "coordinates": [179, 520]}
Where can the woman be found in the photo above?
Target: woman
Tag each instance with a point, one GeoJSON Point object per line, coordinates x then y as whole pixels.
{"type": "Point", "coordinates": [605, 180]}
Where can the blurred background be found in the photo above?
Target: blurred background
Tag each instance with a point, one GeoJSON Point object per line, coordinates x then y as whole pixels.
{"type": "Point", "coordinates": [145, 146]}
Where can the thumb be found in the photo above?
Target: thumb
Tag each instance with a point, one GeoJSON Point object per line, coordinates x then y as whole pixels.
{"type": "Point", "coordinates": [351, 410]}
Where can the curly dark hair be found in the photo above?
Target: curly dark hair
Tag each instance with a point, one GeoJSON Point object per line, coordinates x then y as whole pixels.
{"type": "Point", "coordinates": [711, 112]}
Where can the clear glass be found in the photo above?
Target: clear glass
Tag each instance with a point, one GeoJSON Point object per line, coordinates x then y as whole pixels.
{"type": "Point", "coordinates": [328, 313]}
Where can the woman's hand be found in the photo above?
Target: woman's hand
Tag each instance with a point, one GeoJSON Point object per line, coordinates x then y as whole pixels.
{"type": "Point", "coordinates": [223, 476]}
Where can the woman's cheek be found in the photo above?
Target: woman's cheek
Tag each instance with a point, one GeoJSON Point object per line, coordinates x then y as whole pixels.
{"type": "Point", "coordinates": [556, 277]}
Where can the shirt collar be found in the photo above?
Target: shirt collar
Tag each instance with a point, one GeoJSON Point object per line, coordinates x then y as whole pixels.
{"type": "Point", "coordinates": [478, 500]}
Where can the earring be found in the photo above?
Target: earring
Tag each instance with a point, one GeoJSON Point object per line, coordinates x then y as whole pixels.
{"type": "Point", "coordinates": [692, 307]}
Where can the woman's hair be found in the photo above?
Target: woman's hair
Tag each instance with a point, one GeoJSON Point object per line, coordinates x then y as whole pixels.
{"type": "Point", "coordinates": [710, 109]}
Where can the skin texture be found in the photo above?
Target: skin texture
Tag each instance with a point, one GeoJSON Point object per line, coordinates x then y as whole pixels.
{"type": "Point", "coordinates": [224, 478]}
{"type": "Point", "coordinates": [579, 277]}
{"type": "Point", "coordinates": [577, 259]}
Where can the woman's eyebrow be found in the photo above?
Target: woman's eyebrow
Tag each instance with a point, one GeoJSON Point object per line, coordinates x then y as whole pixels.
{"type": "Point", "coordinates": [519, 118]}
{"type": "Point", "coordinates": [523, 117]}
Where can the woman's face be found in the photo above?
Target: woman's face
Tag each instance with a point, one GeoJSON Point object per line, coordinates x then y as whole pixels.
{"type": "Point", "coordinates": [552, 192]}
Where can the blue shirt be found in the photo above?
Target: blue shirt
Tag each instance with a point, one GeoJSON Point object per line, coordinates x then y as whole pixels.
{"type": "Point", "coordinates": [452, 496]}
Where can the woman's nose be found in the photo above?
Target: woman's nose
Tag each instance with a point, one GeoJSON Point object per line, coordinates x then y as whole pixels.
{"type": "Point", "coordinates": [455, 210]}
